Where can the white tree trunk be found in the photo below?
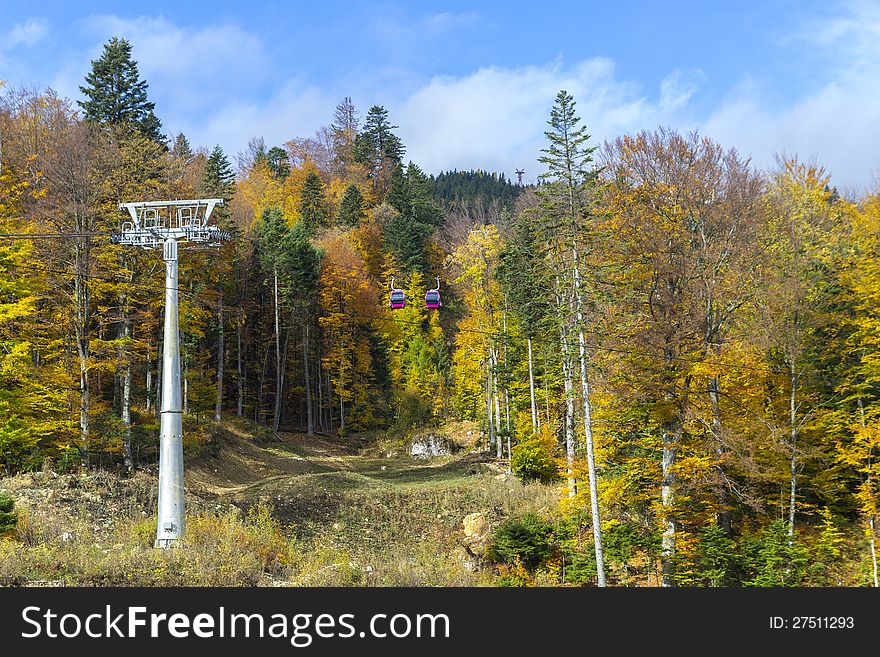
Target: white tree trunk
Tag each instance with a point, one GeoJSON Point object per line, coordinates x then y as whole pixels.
{"type": "Point", "coordinates": [276, 416]}
{"type": "Point", "coordinates": [569, 416]}
{"type": "Point", "coordinates": [667, 498]}
{"type": "Point", "coordinates": [81, 328]}
{"type": "Point", "coordinates": [126, 401]}
{"type": "Point", "coordinates": [588, 425]}
{"type": "Point", "coordinates": [239, 370]}
{"type": "Point", "coordinates": [499, 447]}
{"type": "Point", "coordinates": [221, 360]}
{"type": "Point", "coordinates": [489, 423]}
{"type": "Point", "coordinates": [794, 436]}
{"type": "Point", "coordinates": [535, 423]}
{"type": "Point", "coordinates": [309, 416]}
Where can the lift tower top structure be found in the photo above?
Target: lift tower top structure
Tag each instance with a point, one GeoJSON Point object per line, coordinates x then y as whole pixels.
{"type": "Point", "coordinates": [169, 223]}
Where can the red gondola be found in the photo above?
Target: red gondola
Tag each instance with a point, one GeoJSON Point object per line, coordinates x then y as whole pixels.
{"type": "Point", "coordinates": [397, 299]}
{"type": "Point", "coordinates": [432, 297]}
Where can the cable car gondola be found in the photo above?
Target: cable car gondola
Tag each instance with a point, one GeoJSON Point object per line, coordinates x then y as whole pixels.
{"type": "Point", "coordinates": [397, 299]}
{"type": "Point", "coordinates": [432, 297]}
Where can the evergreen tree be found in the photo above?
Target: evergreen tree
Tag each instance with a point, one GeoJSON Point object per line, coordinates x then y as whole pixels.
{"type": "Point", "coordinates": [218, 176]}
{"type": "Point", "coordinates": [344, 131]}
{"type": "Point", "coordinates": [277, 161]}
{"type": "Point", "coordinates": [182, 149]}
{"type": "Point", "coordinates": [115, 93]}
{"type": "Point", "coordinates": [313, 204]}
{"type": "Point", "coordinates": [351, 210]}
{"type": "Point", "coordinates": [8, 515]}
{"type": "Point", "coordinates": [378, 148]}
{"type": "Point", "coordinates": [406, 234]}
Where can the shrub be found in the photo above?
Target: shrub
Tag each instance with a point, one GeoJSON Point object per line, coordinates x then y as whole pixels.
{"type": "Point", "coordinates": [8, 515]}
{"type": "Point", "coordinates": [528, 540]}
{"type": "Point", "coordinates": [535, 457]}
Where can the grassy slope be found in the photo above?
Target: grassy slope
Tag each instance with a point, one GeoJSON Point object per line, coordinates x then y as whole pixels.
{"type": "Point", "coordinates": [266, 510]}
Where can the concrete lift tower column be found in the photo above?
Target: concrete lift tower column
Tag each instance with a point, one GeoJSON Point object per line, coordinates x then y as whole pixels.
{"type": "Point", "coordinates": [167, 223]}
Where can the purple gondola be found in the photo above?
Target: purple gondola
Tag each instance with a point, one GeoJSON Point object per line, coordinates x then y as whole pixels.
{"type": "Point", "coordinates": [432, 297]}
{"type": "Point", "coordinates": [397, 299]}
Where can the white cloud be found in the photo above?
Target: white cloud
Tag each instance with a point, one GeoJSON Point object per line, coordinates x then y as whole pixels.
{"type": "Point", "coordinates": [296, 110]}
{"type": "Point", "coordinates": [836, 124]}
{"type": "Point", "coordinates": [495, 118]}
{"type": "Point", "coordinates": [219, 85]}
{"type": "Point", "coordinates": [27, 33]}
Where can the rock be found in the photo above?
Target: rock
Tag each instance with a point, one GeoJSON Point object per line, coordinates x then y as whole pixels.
{"type": "Point", "coordinates": [476, 528]}
{"type": "Point", "coordinates": [429, 445]}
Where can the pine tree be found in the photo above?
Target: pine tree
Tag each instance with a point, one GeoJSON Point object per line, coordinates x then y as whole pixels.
{"type": "Point", "coordinates": [313, 204]}
{"type": "Point", "coordinates": [115, 93]}
{"type": "Point", "coordinates": [378, 148]}
{"type": "Point", "coordinates": [565, 202]}
{"type": "Point", "coordinates": [351, 211]}
{"type": "Point", "coordinates": [278, 163]}
{"type": "Point", "coordinates": [181, 148]}
{"type": "Point", "coordinates": [218, 177]}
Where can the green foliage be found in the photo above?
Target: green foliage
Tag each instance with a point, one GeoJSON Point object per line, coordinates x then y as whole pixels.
{"type": "Point", "coordinates": [278, 162]}
{"type": "Point", "coordinates": [717, 557]}
{"type": "Point", "coordinates": [351, 211]}
{"type": "Point", "coordinates": [8, 515]}
{"type": "Point", "coordinates": [468, 188]}
{"type": "Point", "coordinates": [218, 177]}
{"type": "Point", "coordinates": [536, 457]}
{"type": "Point", "coordinates": [528, 539]}
{"type": "Point", "coordinates": [313, 204]}
{"type": "Point", "coordinates": [406, 233]}
{"type": "Point", "coordinates": [115, 93]}
{"type": "Point", "coordinates": [777, 559]}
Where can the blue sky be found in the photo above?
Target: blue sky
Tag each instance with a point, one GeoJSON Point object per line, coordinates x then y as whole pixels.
{"type": "Point", "coordinates": [470, 84]}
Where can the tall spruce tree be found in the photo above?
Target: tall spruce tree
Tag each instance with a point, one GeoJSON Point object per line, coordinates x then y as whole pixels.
{"type": "Point", "coordinates": [565, 203]}
{"type": "Point", "coordinates": [351, 208]}
{"type": "Point", "coordinates": [116, 94]}
{"type": "Point", "coordinates": [313, 204]}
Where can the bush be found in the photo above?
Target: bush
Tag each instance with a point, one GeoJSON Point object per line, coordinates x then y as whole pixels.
{"type": "Point", "coordinates": [8, 515]}
{"type": "Point", "coordinates": [535, 457]}
{"type": "Point", "coordinates": [776, 559]}
{"type": "Point", "coordinates": [527, 540]}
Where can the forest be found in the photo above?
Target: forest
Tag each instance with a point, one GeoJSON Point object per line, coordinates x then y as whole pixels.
{"type": "Point", "coordinates": [683, 345]}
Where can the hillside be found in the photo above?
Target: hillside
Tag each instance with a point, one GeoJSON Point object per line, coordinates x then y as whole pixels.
{"type": "Point", "coordinates": [264, 509]}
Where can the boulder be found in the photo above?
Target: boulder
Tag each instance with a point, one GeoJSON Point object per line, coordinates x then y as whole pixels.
{"type": "Point", "coordinates": [476, 527]}
{"type": "Point", "coordinates": [429, 445]}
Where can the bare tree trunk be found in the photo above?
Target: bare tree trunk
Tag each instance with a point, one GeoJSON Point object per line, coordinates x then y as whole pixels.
{"type": "Point", "coordinates": [126, 397]}
{"type": "Point", "coordinates": [569, 415]}
{"type": "Point", "coordinates": [499, 448]}
{"type": "Point", "coordinates": [239, 370]}
{"type": "Point", "coordinates": [282, 415]}
{"type": "Point", "coordinates": [320, 386]}
{"type": "Point", "coordinates": [149, 381]}
{"type": "Point", "coordinates": [489, 423]}
{"type": "Point", "coordinates": [872, 535]}
{"type": "Point", "coordinates": [310, 419]}
{"type": "Point", "coordinates": [261, 388]}
{"type": "Point", "coordinates": [794, 436]}
{"type": "Point", "coordinates": [276, 416]}
{"type": "Point", "coordinates": [221, 359]}
{"type": "Point", "coordinates": [535, 423]}
{"type": "Point", "coordinates": [81, 327]}
{"type": "Point", "coordinates": [725, 521]}
{"type": "Point", "coordinates": [588, 425]}
{"type": "Point", "coordinates": [671, 437]}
